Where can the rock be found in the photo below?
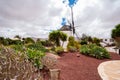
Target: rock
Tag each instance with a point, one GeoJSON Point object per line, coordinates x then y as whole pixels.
{"type": "Point", "coordinates": [55, 74]}
{"type": "Point", "coordinates": [78, 55]}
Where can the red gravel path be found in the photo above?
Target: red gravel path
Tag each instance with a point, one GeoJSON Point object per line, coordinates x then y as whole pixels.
{"type": "Point", "coordinates": [80, 68]}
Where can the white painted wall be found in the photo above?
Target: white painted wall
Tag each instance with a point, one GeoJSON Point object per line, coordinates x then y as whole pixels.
{"type": "Point", "coordinates": [69, 33]}
{"type": "Point", "coordinates": [108, 41]}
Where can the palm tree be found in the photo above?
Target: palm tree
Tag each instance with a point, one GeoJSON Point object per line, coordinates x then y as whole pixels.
{"type": "Point", "coordinates": [56, 36]}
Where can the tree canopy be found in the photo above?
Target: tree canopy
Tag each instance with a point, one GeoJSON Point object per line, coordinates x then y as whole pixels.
{"type": "Point", "coordinates": [56, 36]}
{"type": "Point", "coordinates": [116, 31]}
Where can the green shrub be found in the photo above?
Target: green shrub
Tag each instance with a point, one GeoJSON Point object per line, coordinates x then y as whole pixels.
{"type": "Point", "coordinates": [99, 52]}
{"type": "Point", "coordinates": [59, 50]}
{"type": "Point", "coordinates": [94, 51]}
{"type": "Point", "coordinates": [72, 48]}
{"type": "Point", "coordinates": [16, 42]}
{"type": "Point", "coordinates": [0, 47]}
{"type": "Point", "coordinates": [28, 40]}
{"type": "Point", "coordinates": [83, 42]}
{"type": "Point", "coordinates": [71, 41]}
{"type": "Point", "coordinates": [37, 46]}
{"type": "Point", "coordinates": [18, 48]}
{"type": "Point", "coordinates": [77, 45]}
{"type": "Point", "coordinates": [47, 43]}
{"type": "Point", "coordinates": [71, 38]}
{"type": "Point", "coordinates": [84, 49]}
{"type": "Point", "coordinates": [53, 49]}
{"type": "Point", "coordinates": [96, 41]}
{"type": "Point", "coordinates": [35, 57]}
{"type": "Point", "coordinates": [72, 44]}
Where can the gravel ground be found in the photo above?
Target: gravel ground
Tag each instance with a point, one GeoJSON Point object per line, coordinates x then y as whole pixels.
{"type": "Point", "coordinates": [80, 68]}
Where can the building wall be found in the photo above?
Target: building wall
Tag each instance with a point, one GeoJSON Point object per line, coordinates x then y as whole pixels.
{"type": "Point", "coordinates": [69, 33]}
{"type": "Point", "coordinates": [108, 41]}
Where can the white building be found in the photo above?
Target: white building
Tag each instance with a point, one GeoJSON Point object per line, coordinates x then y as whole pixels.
{"type": "Point", "coordinates": [66, 29]}
{"type": "Point", "coordinates": [108, 41]}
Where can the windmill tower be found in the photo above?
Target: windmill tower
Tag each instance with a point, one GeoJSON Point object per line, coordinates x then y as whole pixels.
{"type": "Point", "coordinates": [72, 27]}
{"type": "Point", "coordinates": [74, 33]}
{"type": "Point", "coordinates": [66, 29]}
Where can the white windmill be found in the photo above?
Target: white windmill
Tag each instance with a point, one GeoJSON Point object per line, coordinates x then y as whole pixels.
{"type": "Point", "coordinates": [70, 29]}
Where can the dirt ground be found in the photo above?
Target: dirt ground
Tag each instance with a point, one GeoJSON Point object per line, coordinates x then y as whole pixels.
{"type": "Point", "coordinates": [80, 68]}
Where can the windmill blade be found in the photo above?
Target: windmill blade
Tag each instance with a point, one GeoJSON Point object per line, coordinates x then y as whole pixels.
{"type": "Point", "coordinates": [77, 35]}
{"type": "Point", "coordinates": [48, 29]}
{"type": "Point", "coordinates": [77, 26]}
{"type": "Point", "coordinates": [69, 22]}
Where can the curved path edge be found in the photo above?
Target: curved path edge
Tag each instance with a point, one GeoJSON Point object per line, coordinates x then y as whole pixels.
{"type": "Point", "coordinates": [109, 70]}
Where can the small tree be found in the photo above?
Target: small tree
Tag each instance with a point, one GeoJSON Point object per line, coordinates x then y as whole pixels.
{"type": "Point", "coordinates": [28, 40]}
{"type": "Point", "coordinates": [63, 37]}
{"type": "Point", "coordinates": [116, 35]}
{"type": "Point", "coordinates": [72, 45]}
{"type": "Point", "coordinates": [1, 40]}
{"type": "Point", "coordinates": [90, 40]}
{"type": "Point", "coordinates": [96, 41]}
{"type": "Point", "coordinates": [18, 37]}
{"type": "Point", "coordinates": [56, 36]}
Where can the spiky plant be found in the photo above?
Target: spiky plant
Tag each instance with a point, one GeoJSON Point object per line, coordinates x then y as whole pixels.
{"type": "Point", "coordinates": [15, 66]}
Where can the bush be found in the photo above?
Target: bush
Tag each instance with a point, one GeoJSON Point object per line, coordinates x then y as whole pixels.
{"type": "Point", "coordinates": [77, 45]}
{"type": "Point", "coordinates": [52, 49]}
{"type": "Point", "coordinates": [84, 49]}
{"type": "Point", "coordinates": [71, 38]}
{"type": "Point", "coordinates": [96, 41]}
{"type": "Point", "coordinates": [37, 46]}
{"type": "Point", "coordinates": [72, 48]}
{"type": "Point", "coordinates": [46, 43]}
{"type": "Point", "coordinates": [99, 52]}
{"type": "Point", "coordinates": [15, 66]}
{"type": "Point", "coordinates": [16, 42]}
{"type": "Point", "coordinates": [83, 42]}
{"type": "Point", "coordinates": [35, 57]}
{"type": "Point", "coordinates": [72, 44]}
{"type": "Point", "coordinates": [94, 51]}
{"type": "Point", "coordinates": [59, 50]}
{"type": "Point", "coordinates": [0, 47]}
{"type": "Point", "coordinates": [28, 40]}
{"type": "Point", "coordinates": [18, 48]}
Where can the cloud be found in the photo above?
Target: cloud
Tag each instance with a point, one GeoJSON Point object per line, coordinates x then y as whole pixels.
{"type": "Point", "coordinates": [36, 18]}
{"type": "Point", "coordinates": [99, 18]}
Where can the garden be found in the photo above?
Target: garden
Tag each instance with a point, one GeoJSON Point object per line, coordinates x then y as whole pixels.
{"type": "Point", "coordinates": [24, 58]}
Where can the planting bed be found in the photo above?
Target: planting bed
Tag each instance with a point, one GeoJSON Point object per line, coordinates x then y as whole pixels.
{"type": "Point", "coordinates": [80, 68]}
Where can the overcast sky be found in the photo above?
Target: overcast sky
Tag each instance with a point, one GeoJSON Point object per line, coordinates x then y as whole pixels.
{"type": "Point", "coordinates": [36, 18]}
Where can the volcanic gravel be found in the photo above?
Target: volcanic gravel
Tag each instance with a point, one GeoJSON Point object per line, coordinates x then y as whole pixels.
{"type": "Point", "coordinates": [80, 68]}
